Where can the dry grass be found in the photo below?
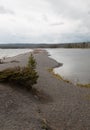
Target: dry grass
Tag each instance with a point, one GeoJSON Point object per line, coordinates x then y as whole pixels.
{"type": "Point", "coordinates": [57, 75]}
{"type": "Point", "coordinates": [84, 85]}
{"type": "Point", "coordinates": [45, 125]}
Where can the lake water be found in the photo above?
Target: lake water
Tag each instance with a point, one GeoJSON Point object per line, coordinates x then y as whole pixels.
{"type": "Point", "coordinates": [76, 64]}
{"type": "Point", "coordinates": [12, 52]}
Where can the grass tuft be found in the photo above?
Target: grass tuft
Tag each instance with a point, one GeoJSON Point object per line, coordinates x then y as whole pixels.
{"type": "Point", "coordinates": [84, 85]}
{"type": "Point", "coordinates": [57, 75]}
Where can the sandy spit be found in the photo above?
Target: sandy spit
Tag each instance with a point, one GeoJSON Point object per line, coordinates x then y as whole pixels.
{"type": "Point", "coordinates": [61, 106]}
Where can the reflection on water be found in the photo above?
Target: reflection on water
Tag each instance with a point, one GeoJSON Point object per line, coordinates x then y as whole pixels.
{"type": "Point", "coordinates": [76, 64]}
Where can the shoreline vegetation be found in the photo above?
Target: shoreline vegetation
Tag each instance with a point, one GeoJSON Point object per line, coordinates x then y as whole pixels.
{"type": "Point", "coordinates": [58, 76]}
{"type": "Point", "coordinates": [84, 85]}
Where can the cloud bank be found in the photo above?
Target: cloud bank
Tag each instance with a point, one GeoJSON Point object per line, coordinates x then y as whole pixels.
{"type": "Point", "coordinates": [44, 21]}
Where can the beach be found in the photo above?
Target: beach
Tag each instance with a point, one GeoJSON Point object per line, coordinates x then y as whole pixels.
{"type": "Point", "coordinates": [58, 106]}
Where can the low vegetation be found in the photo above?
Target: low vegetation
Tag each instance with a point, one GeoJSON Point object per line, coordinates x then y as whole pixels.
{"type": "Point", "coordinates": [84, 85]}
{"type": "Point", "coordinates": [45, 125]}
{"type": "Point", "coordinates": [57, 75]}
{"type": "Point", "coordinates": [23, 76]}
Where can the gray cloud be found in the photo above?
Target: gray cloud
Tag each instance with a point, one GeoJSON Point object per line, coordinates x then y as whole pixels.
{"type": "Point", "coordinates": [71, 8]}
{"type": "Point", "coordinates": [45, 21]}
{"type": "Point", "coordinates": [3, 10]}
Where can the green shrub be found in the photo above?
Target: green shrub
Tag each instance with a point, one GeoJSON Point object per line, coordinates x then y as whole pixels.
{"type": "Point", "coordinates": [32, 62]}
{"type": "Point", "coordinates": [23, 76]}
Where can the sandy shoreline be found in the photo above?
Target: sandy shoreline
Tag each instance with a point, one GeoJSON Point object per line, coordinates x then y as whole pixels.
{"type": "Point", "coordinates": [66, 107]}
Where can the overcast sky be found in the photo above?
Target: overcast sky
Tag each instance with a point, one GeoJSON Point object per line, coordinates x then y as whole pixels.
{"type": "Point", "coordinates": [44, 21]}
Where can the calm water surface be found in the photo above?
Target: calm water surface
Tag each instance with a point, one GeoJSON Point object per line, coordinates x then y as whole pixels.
{"type": "Point", "coordinates": [12, 52]}
{"type": "Point", "coordinates": [76, 64]}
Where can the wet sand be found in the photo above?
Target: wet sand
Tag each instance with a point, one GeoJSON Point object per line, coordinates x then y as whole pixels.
{"type": "Point", "coordinates": [60, 105]}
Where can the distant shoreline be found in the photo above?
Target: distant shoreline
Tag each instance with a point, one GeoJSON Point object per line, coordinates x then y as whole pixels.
{"type": "Point", "coordinates": [45, 45]}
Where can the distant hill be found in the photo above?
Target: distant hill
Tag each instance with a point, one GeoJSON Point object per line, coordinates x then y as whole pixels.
{"type": "Point", "coordinates": [33, 45]}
